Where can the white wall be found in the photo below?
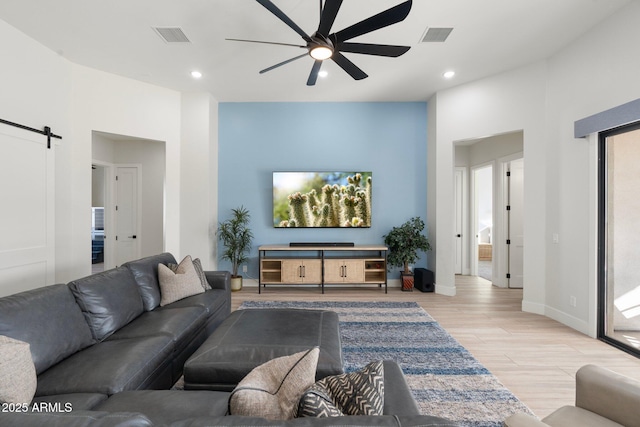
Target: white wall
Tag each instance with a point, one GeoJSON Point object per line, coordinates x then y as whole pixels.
{"type": "Point", "coordinates": [43, 88]}
{"type": "Point", "coordinates": [593, 74]}
{"type": "Point", "coordinates": [501, 104]}
{"type": "Point", "coordinates": [199, 149]}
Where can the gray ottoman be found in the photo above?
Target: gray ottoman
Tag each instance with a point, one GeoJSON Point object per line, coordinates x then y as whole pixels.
{"type": "Point", "coordinates": [248, 338]}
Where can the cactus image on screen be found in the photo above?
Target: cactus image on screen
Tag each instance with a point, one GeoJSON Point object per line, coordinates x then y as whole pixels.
{"type": "Point", "coordinates": [322, 199]}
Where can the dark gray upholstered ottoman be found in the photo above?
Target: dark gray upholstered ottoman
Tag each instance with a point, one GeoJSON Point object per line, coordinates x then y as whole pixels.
{"type": "Point", "coordinates": [248, 338]}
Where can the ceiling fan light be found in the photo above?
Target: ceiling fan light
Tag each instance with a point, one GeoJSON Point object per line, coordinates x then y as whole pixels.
{"type": "Point", "coordinates": [321, 53]}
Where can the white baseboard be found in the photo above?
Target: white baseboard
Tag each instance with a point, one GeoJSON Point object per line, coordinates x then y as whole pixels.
{"type": "Point", "coordinates": [566, 319]}
{"type": "Point", "coordinates": [449, 291]}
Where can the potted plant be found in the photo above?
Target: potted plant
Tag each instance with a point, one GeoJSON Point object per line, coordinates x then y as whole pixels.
{"type": "Point", "coordinates": [404, 242]}
{"type": "Point", "coordinates": [236, 237]}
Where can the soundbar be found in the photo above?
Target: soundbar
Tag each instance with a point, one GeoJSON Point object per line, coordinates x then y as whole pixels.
{"type": "Point", "coordinates": [334, 244]}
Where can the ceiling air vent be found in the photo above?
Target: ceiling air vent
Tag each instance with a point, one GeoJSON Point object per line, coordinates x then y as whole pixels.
{"type": "Point", "coordinates": [172, 34]}
{"type": "Point", "coordinates": [436, 35]}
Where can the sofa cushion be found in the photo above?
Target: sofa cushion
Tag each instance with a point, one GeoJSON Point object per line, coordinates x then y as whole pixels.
{"type": "Point", "coordinates": [65, 402]}
{"type": "Point", "coordinates": [272, 390]}
{"type": "Point", "coordinates": [354, 393]}
{"type": "Point", "coordinates": [145, 273]}
{"type": "Point", "coordinates": [163, 407]}
{"type": "Point", "coordinates": [574, 416]}
{"type": "Point", "coordinates": [354, 421]}
{"type": "Point", "coordinates": [181, 324]}
{"type": "Point", "coordinates": [211, 301]}
{"type": "Point", "coordinates": [74, 419]}
{"type": "Point", "coordinates": [126, 364]}
{"type": "Point", "coordinates": [49, 320]}
{"type": "Point", "coordinates": [178, 284]}
{"type": "Point", "coordinates": [109, 300]}
{"type": "Point", "coordinates": [17, 372]}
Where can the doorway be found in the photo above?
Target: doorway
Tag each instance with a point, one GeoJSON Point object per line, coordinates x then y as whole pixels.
{"type": "Point", "coordinates": [485, 217]}
{"type": "Point", "coordinates": [482, 248]}
{"type": "Point", "coordinates": [618, 238]}
{"type": "Point", "coordinates": [99, 179]}
{"type": "Point", "coordinates": [134, 196]}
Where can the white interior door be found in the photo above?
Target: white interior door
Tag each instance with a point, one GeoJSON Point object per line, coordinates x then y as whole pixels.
{"type": "Point", "coordinates": [459, 191]}
{"type": "Point", "coordinates": [516, 224]}
{"type": "Point", "coordinates": [27, 247]}
{"type": "Point", "coordinates": [127, 214]}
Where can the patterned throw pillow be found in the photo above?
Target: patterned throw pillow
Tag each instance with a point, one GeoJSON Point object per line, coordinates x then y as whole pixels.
{"type": "Point", "coordinates": [182, 283]}
{"type": "Point", "coordinates": [273, 389]}
{"type": "Point", "coordinates": [18, 379]}
{"type": "Point", "coordinates": [355, 393]}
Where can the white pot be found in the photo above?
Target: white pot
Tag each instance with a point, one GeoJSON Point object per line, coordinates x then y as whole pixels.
{"type": "Point", "coordinates": [236, 283]}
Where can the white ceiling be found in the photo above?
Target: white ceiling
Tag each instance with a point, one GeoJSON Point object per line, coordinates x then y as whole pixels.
{"type": "Point", "coordinates": [489, 36]}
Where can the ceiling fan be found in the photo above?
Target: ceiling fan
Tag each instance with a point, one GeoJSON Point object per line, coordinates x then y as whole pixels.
{"type": "Point", "coordinates": [322, 45]}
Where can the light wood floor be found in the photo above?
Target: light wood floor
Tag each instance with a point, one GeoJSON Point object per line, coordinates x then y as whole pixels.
{"type": "Point", "coordinates": [533, 356]}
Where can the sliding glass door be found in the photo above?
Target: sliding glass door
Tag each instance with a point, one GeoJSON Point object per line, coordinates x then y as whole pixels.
{"type": "Point", "coordinates": [619, 238]}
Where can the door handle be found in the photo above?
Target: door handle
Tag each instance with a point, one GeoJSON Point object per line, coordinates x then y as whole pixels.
{"type": "Point", "coordinates": [133, 237]}
{"type": "Point", "coordinates": [459, 235]}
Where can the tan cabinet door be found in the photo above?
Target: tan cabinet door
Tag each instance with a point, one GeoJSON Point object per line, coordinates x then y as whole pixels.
{"type": "Point", "coordinates": [343, 271]}
{"type": "Point", "coordinates": [302, 271]}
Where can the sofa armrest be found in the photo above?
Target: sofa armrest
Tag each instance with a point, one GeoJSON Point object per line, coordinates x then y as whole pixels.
{"type": "Point", "coordinates": [608, 394]}
{"type": "Point", "coordinates": [523, 420]}
{"type": "Point", "coordinates": [219, 279]}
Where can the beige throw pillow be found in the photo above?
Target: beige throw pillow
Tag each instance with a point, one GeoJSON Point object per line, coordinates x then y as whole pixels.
{"type": "Point", "coordinates": [185, 282]}
{"type": "Point", "coordinates": [197, 264]}
{"type": "Point", "coordinates": [273, 389]}
{"type": "Point", "coordinates": [18, 380]}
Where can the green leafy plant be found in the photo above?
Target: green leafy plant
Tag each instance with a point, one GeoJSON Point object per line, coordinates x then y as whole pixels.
{"type": "Point", "coordinates": [236, 236]}
{"type": "Point", "coordinates": [404, 242]}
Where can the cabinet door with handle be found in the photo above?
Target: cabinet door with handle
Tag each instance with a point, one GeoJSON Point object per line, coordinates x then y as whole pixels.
{"type": "Point", "coordinates": [343, 271]}
{"type": "Point", "coordinates": [302, 271]}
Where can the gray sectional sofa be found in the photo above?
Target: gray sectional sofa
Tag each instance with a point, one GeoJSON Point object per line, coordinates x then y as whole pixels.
{"type": "Point", "coordinates": [106, 333]}
{"type": "Point", "coordinates": [106, 354]}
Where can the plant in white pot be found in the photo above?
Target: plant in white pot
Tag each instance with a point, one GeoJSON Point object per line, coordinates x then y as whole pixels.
{"type": "Point", "coordinates": [404, 242]}
{"type": "Point", "coordinates": [236, 237]}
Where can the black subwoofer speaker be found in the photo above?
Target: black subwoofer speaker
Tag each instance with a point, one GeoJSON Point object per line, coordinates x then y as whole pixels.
{"type": "Point", "coordinates": [424, 280]}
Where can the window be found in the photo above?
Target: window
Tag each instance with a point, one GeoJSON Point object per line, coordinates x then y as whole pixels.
{"type": "Point", "coordinates": [619, 238]}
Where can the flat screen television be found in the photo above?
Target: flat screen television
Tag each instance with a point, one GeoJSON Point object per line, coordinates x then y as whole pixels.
{"type": "Point", "coordinates": [321, 199]}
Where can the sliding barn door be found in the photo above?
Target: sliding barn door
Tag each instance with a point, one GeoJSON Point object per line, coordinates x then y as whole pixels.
{"type": "Point", "coordinates": [27, 219]}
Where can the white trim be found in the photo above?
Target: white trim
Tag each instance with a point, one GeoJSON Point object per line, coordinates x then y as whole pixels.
{"type": "Point", "coordinates": [465, 219]}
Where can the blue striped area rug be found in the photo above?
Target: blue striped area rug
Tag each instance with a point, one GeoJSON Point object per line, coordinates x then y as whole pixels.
{"type": "Point", "coordinates": [445, 379]}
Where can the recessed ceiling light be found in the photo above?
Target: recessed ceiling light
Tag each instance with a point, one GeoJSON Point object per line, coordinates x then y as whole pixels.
{"type": "Point", "coordinates": [322, 74]}
{"type": "Point", "coordinates": [449, 74]}
{"type": "Point", "coordinates": [196, 74]}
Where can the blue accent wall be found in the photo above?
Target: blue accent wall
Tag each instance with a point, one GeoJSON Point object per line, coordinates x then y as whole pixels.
{"type": "Point", "coordinates": [388, 139]}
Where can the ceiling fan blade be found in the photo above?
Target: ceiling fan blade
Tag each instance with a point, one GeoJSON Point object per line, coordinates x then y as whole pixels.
{"type": "Point", "coordinates": [313, 76]}
{"type": "Point", "coordinates": [374, 49]}
{"type": "Point", "coordinates": [284, 18]}
{"type": "Point", "coordinates": [381, 20]}
{"type": "Point", "coordinates": [283, 63]}
{"type": "Point", "coordinates": [260, 41]}
{"type": "Point", "coordinates": [328, 16]}
{"type": "Point", "coordinates": [351, 68]}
